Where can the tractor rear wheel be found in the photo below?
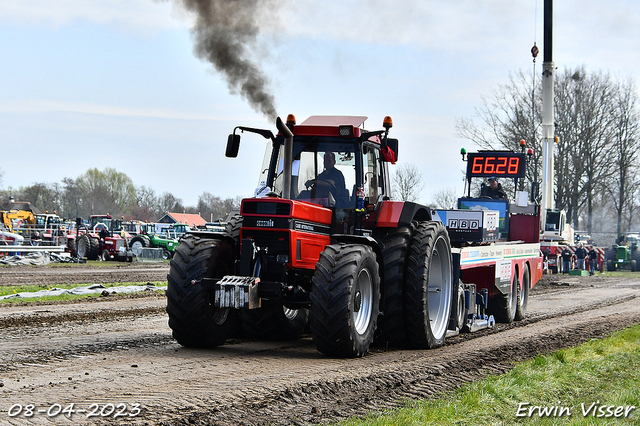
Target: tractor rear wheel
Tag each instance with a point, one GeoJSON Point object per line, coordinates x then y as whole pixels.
{"type": "Point", "coordinates": [611, 256]}
{"type": "Point", "coordinates": [273, 322]}
{"type": "Point", "coordinates": [88, 247]}
{"type": "Point", "coordinates": [429, 286]}
{"type": "Point", "coordinates": [193, 319]}
{"type": "Point", "coordinates": [523, 295]}
{"type": "Point", "coordinates": [138, 243]}
{"type": "Point", "coordinates": [503, 306]}
{"type": "Point", "coordinates": [345, 299]}
{"type": "Point", "coordinates": [395, 246]}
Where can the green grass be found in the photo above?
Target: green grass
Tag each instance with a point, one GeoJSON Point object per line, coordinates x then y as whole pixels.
{"type": "Point", "coordinates": [6, 290]}
{"type": "Point", "coordinates": [620, 273]}
{"type": "Point", "coordinates": [605, 372]}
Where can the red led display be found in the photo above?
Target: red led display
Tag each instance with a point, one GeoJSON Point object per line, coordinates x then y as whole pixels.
{"type": "Point", "coordinates": [499, 164]}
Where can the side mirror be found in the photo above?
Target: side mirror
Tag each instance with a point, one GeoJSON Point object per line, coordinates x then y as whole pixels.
{"type": "Point", "coordinates": [233, 145]}
{"type": "Point", "coordinates": [393, 144]}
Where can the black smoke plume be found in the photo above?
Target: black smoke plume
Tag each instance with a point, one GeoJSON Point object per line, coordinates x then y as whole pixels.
{"type": "Point", "coordinates": [225, 31]}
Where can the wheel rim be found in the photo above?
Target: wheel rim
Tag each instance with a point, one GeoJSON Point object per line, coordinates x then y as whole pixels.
{"type": "Point", "coordinates": [291, 314]}
{"type": "Point", "coordinates": [82, 248]}
{"type": "Point", "coordinates": [220, 316]}
{"type": "Point", "coordinates": [439, 289]}
{"type": "Point", "coordinates": [136, 248]}
{"type": "Point", "coordinates": [363, 301]}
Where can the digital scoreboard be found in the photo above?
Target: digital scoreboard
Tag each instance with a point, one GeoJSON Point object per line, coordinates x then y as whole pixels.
{"type": "Point", "coordinates": [498, 164]}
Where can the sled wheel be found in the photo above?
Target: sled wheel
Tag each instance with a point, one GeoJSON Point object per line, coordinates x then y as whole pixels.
{"type": "Point", "coordinates": [503, 306]}
{"type": "Point", "coordinates": [523, 295]}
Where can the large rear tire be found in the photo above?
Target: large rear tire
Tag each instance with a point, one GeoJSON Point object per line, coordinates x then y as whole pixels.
{"type": "Point", "coordinates": [395, 246]}
{"type": "Point", "coordinates": [273, 322]}
{"type": "Point", "coordinates": [611, 255]}
{"type": "Point", "coordinates": [345, 300]}
{"type": "Point", "coordinates": [523, 295]}
{"type": "Point", "coordinates": [193, 318]}
{"type": "Point", "coordinates": [88, 247]}
{"type": "Point", "coordinates": [72, 247]}
{"type": "Point", "coordinates": [429, 286]}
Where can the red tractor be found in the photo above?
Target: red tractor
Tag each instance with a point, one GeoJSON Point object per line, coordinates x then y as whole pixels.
{"type": "Point", "coordinates": [101, 239]}
{"type": "Point", "coordinates": [321, 245]}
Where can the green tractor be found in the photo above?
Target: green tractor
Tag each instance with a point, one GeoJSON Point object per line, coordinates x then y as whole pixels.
{"type": "Point", "coordinates": [148, 238]}
{"type": "Point", "coordinates": [625, 254]}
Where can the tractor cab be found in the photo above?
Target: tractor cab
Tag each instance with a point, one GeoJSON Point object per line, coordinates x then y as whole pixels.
{"type": "Point", "coordinates": [327, 161]}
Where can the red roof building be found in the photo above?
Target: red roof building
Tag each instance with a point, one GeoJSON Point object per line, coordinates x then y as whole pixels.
{"type": "Point", "coordinates": [190, 219]}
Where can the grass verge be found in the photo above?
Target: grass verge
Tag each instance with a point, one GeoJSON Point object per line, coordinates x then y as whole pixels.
{"type": "Point", "coordinates": [577, 386]}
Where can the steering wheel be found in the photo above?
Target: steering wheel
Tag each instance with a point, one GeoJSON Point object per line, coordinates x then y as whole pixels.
{"type": "Point", "coordinates": [99, 226]}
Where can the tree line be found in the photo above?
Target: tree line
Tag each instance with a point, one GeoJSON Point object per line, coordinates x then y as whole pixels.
{"type": "Point", "coordinates": [113, 192]}
{"type": "Point", "coordinates": [596, 156]}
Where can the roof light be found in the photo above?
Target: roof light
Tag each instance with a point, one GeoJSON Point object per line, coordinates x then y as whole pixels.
{"type": "Point", "coordinates": [522, 143]}
{"type": "Point", "coordinates": [387, 123]}
{"type": "Point", "coordinates": [291, 120]}
{"type": "Point", "coordinates": [530, 151]}
{"type": "Point", "coordinates": [345, 131]}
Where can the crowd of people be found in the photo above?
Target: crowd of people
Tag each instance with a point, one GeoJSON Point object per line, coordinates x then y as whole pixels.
{"type": "Point", "coordinates": [583, 259]}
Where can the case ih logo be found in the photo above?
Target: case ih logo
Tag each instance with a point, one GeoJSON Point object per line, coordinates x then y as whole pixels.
{"type": "Point", "coordinates": [463, 224]}
{"type": "Point", "coordinates": [265, 223]}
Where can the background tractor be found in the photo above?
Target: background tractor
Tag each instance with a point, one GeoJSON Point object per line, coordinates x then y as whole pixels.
{"type": "Point", "coordinates": [625, 254]}
{"type": "Point", "coordinates": [101, 239]}
{"type": "Point", "coordinates": [149, 239]}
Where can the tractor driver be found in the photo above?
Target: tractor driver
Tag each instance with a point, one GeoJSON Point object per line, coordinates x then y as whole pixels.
{"type": "Point", "coordinates": [494, 190]}
{"type": "Point", "coordinates": [331, 180]}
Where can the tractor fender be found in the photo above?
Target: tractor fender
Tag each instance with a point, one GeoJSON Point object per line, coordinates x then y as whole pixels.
{"type": "Point", "coordinates": [365, 241]}
{"type": "Point", "coordinates": [401, 213]}
{"type": "Point", "coordinates": [215, 236]}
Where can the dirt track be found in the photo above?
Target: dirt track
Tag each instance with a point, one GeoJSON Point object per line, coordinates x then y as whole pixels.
{"type": "Point", "coordinates": [119, 351]}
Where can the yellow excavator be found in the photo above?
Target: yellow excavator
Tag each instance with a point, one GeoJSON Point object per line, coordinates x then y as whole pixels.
{"type": "Point", "coordinates": [11, 218]}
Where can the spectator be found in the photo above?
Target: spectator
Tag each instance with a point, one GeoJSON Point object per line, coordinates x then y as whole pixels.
{"type": "Point", "coordinates": [566, 260]}
{"type": "Point", "coordinates": [593, 261]}
{"type": "Point", "coordinates": [581, 253]}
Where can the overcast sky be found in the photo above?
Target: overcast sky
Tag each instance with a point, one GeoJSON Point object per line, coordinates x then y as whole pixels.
{"type": "Point", "coordinates": [116, 83]}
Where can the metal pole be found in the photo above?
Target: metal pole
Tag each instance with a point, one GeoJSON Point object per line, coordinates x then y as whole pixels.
{"type": "Point", "coordinates": [548, 71]}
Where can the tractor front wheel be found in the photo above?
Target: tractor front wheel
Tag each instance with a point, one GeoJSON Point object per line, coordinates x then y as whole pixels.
{"type": "Point", "coordinates": [345, 300]}
{"type": "Point", "coordinates": [193, 319]}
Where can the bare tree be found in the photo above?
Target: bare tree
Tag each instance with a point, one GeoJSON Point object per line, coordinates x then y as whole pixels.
{"type": "Point", "coordinates": [584, 123]}
{"type": "Point", "coordinates": [445, 198]}
{"type": "Point", "coordinates": [407, 182]}
{"type": "Point", "coordinates": [168, 203]}
{"type": "Point", "coordinates": [588, 123]}
{"type": "Point", "coordinates": [625, 154]}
